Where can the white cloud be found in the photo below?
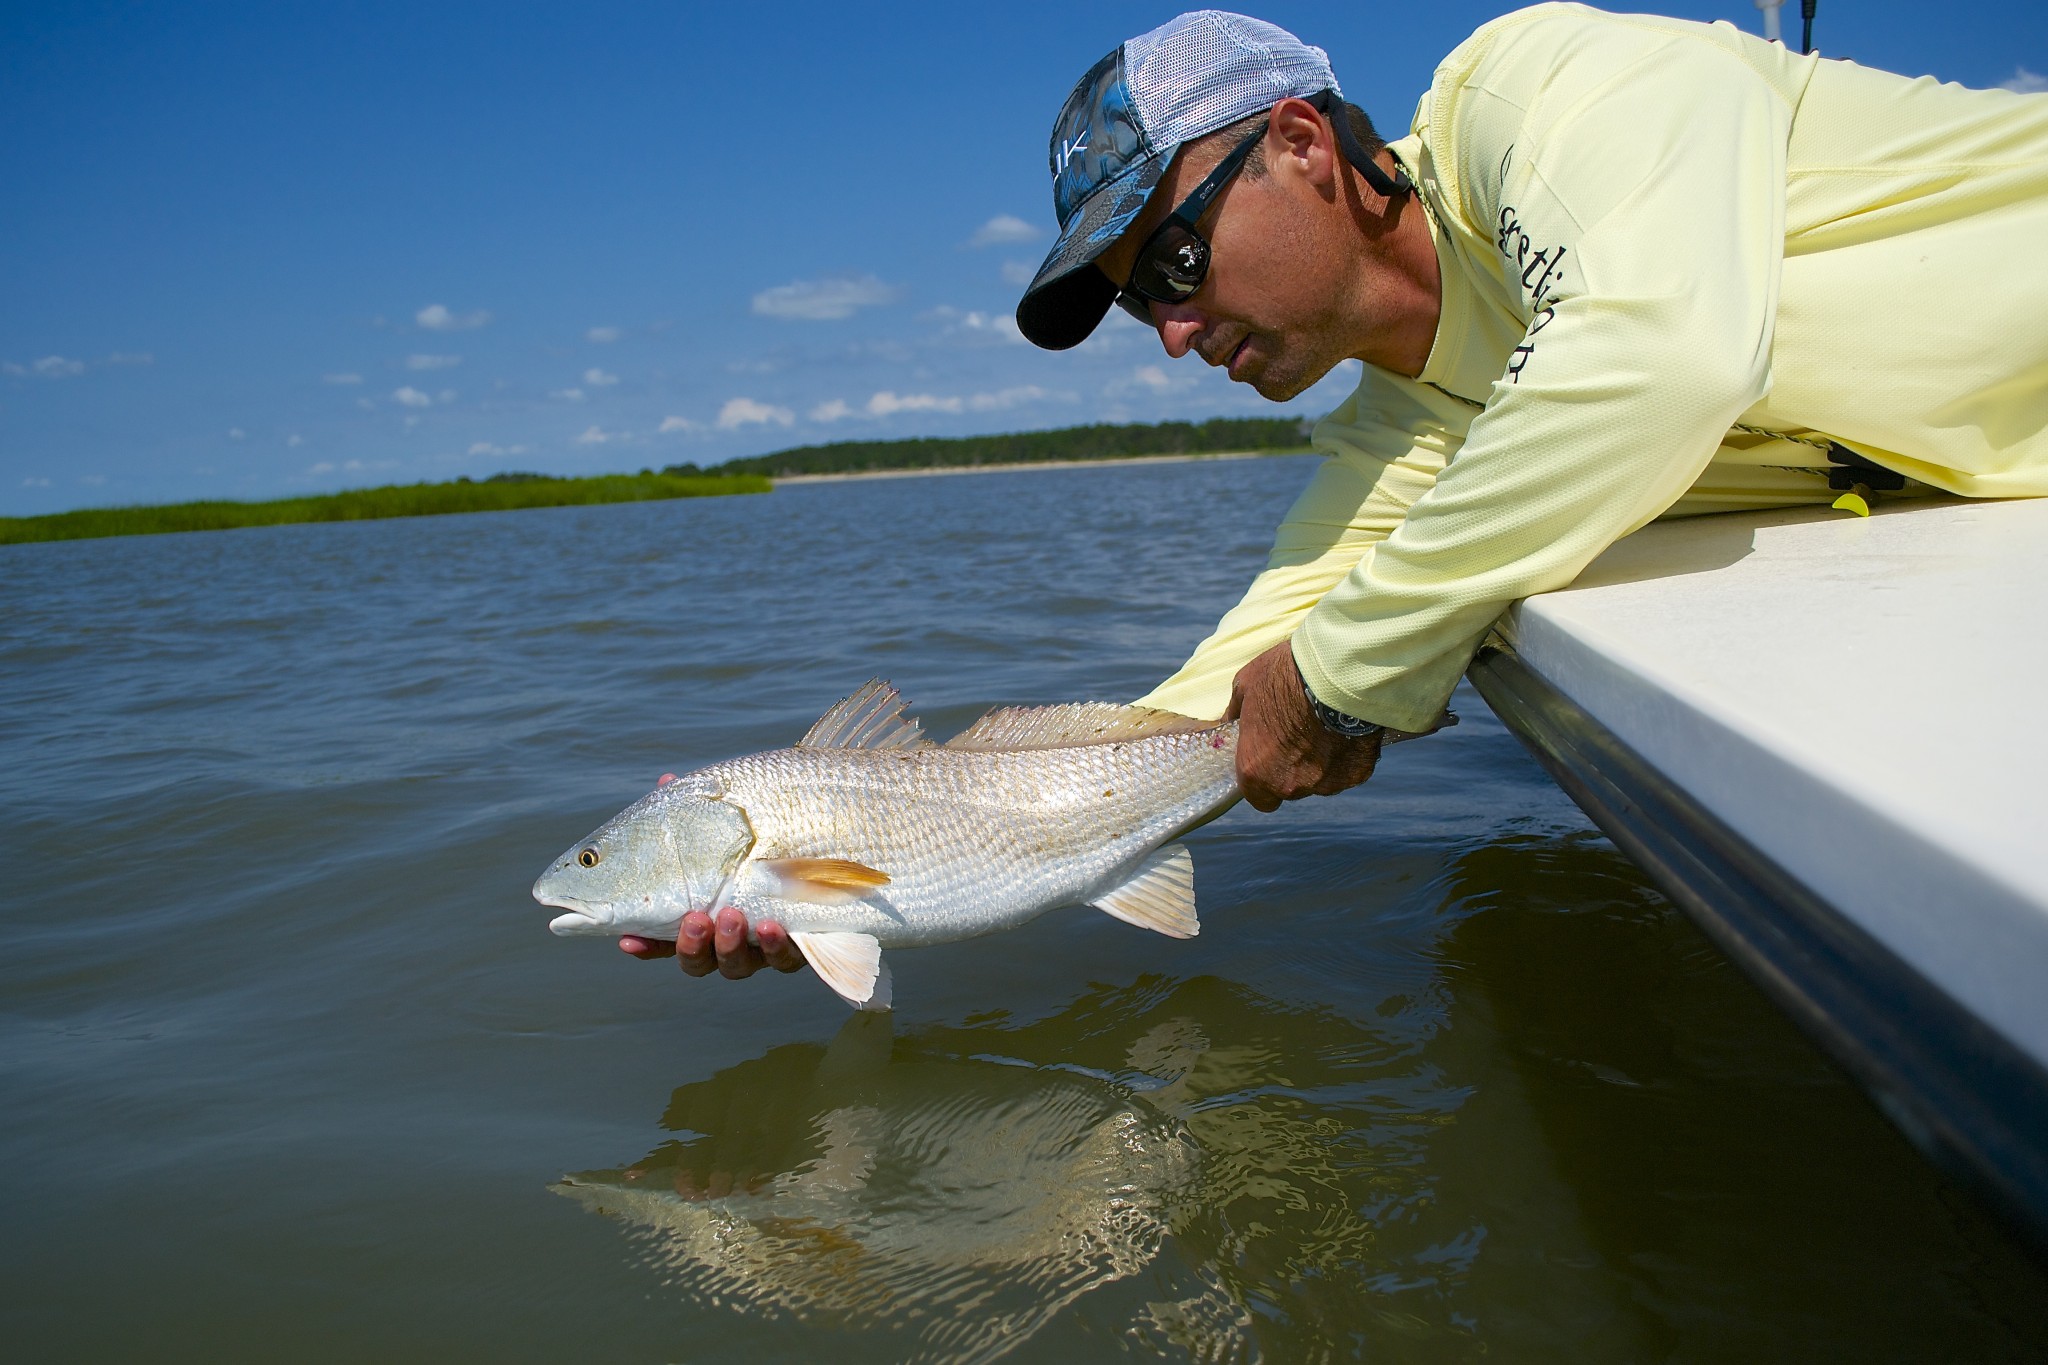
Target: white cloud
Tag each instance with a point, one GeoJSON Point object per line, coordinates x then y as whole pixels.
{"type": "Point", "coordinates": [1018, 273]}
{"type": "Point", "coordinates": [341, 379]}
{"type": "Point", "coordinates": [367, 404]}
{"type": "Point", "coordinates": [1152, 377]}
{"type": "Point", "coordinates": [2025, 82]}
{"type": "Point", "coordinates": [33, 482]}
{"type": "Point", "coordinates": [447, 395]}
{"type": "Point", "coordinates": [63, 367]}
{"type": "Point", "coordinates": [294, 441]}
{"type": "Point", "coordinates": [436, 317]}
{"type": "Point", "coordinates": [976, 325]}
{"type": "Point", "coordinates": [1003, 229]}
{"type": "Point", "coordinates": [350, 466]}
{"type": "Point", "coordinates": [1006, 398]}
{"type": "Point", "coordinates": [486, 448]}
{"type": "Point", "coordinates": [885, 403]}
{"type": "Point", "coordinates": [740, 412]}
{"type": "Point", "coordinates": [93, 480]}
{"type": "Point", "coordinates": [823, 300]}
{"type": "Point", "coordinates": [431, 362]}
{"type": "Point", "coordinates": [567, 395]}
{"type": "Point", "coordinates": [412, 397]}
{"type": "Point", "coordinates": [674, 424]}
{"type": "Point", "coordinates": [49, 367]}
{"type": "Point", "coordinates": [603, 334]}
{"type": "Point", "coordinates": [237, 434]}
{"type": "Point", "coordinates": [598, 379]}
{"type": "Point", "coordinates": [594, 435]}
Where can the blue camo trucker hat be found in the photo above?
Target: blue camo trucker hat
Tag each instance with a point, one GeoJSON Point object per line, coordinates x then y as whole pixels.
{"type": "Point", "coordinates": [1119, 129]}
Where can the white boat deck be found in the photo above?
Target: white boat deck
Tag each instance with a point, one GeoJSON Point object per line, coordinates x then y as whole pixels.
{"type": "Point", "coordinates": [1864, 701]}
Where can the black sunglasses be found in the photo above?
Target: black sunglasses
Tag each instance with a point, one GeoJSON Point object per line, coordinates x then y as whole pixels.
{"type": "Point", "coordinates": [1175, 258]}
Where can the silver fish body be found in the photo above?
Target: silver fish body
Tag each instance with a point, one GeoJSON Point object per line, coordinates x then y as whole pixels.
{"type": "Point", "coordinates": [867, 836]}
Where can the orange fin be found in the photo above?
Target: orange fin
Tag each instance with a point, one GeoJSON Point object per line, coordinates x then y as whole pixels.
{"type": "Point", "coordinates": [825, 881]}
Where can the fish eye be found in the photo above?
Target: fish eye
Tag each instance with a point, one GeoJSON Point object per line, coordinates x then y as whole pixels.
{"type": "Point", "coordinates": [589, 857]}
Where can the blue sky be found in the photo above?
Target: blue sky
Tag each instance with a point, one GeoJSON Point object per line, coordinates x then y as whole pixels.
{"type": "Point", "coordinates": [248, 250]}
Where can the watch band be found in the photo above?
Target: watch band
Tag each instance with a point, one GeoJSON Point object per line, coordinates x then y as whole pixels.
{"type": "Point", "coordinates": [1336, 722]}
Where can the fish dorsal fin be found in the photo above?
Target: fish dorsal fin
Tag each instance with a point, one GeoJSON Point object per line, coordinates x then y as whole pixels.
{"type": "Point", "coordinates": [871, 718]}
{"type": "Point", "coordinates": [850, 964]}
{"type": "Point", "coordinates": [1081, 722]}
{"type": "Point", "coordinates": [1159, 896]}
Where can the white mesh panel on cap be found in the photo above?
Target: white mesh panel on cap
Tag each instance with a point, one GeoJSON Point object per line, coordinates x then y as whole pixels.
{"type": "Point", "coordinates": [1204, 70]}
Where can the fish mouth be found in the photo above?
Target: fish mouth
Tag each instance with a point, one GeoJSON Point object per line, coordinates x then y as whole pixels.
{"type": "Point", "coordinates": [579, 920]}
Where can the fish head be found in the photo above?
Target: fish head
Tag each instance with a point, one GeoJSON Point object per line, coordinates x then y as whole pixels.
{"type": "Point", "coordinates": [671, 852]}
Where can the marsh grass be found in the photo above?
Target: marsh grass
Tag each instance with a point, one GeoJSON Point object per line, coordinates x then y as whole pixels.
{"type": "Point", "coordinates": [501, 494]}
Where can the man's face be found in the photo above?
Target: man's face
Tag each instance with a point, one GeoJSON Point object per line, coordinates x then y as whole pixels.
{"type": "Point", "coordinates": [1270, 310]}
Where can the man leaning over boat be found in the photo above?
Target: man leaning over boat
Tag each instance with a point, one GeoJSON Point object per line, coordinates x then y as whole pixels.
{"type": "Point", "coordinates": [1621, 267]}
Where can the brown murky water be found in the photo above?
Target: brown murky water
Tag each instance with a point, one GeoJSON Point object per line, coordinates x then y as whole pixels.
{"type": "Point", "coordinates": [290, 1069]}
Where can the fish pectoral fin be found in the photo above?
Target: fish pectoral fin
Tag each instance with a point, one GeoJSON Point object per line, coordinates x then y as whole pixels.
{"type": "Point", "coordinates": [850, 964]}
{"type": "Point", "coordinates": [822, 881]}
{"type": "Point", "coordinates": [1159, 896]}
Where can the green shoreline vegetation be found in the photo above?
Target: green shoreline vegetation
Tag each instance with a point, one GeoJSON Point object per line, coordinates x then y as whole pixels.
{"type": "Point", "coordinates": [499, 493]}
{"type": "Point", "coordinates": [750, 474]}
{"type": "Point", "coordinates": [1274, 435]}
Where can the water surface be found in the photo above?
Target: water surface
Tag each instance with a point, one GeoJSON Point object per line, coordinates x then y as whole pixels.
{"type": "Point", "coordinates": [290, 1069]}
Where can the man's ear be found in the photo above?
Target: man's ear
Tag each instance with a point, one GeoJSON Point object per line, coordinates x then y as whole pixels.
{"type": "Point", "coordinates": [1298, 138]}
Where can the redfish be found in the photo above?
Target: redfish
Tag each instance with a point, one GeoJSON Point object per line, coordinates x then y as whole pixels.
{"type": "Point", "coordinates": [866, 835]}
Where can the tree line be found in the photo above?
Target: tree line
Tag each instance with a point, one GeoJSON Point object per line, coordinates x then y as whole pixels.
{"type": "Point", "coordinates": [1100, 441]}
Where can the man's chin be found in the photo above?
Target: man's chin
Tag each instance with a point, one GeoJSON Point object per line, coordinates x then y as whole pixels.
{"type": "Point", "coordinates": [1282, 383]}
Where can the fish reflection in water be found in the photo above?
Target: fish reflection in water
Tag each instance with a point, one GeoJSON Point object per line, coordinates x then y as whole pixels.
{"type": "Point", "coordinates": [964, 1201]}
{"type": "Point", "coordinates": [1533, 1107]}
{"type": "Point", "coordinates": [944, 1188]}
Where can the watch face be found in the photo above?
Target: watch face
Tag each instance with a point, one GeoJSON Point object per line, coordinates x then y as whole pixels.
{"type": "Point", "coordinates": [1336, 722]}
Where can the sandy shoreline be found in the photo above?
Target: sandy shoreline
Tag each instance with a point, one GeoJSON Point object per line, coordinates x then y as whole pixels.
{"type": "Point", "coordinates": [1031, 464]}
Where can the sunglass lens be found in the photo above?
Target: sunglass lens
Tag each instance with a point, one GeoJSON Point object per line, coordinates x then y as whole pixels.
{"type": "Point", "coordinates": [1172, 265]}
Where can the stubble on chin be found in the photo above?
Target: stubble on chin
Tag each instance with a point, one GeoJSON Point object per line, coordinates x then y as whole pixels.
{"type": "Point", "coordinates": [1280, 383]}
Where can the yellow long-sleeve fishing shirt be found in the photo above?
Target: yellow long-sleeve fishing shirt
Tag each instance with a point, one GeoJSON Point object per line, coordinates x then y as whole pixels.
{"type": "Point", "coordinates": [1659, 242]}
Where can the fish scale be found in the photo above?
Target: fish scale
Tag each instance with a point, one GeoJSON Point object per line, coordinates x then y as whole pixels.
{"type": "Point", "coordinates": [972, 842]}
{"type": "Point", "coordinates": [866, 835]}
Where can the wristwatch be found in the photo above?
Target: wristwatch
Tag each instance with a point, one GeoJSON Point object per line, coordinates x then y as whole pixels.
{"type": "Point", "coordinates": [1336, 722]}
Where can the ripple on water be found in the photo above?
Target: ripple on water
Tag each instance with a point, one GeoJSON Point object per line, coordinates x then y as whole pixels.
{"type": "Point", "coordinates": [289, 1059]}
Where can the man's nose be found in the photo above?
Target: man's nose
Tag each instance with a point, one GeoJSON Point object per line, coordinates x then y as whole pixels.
{"type": "Point", "coordinates": [1178, 326]}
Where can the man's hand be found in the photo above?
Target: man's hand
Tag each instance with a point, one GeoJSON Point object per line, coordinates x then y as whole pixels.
{"type": "Point", "coordinates": [705, 948]}
{"type": "Point", "coordinates": [1283, 751]}
{"type": "Point", "coordinates": [723, 947]}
